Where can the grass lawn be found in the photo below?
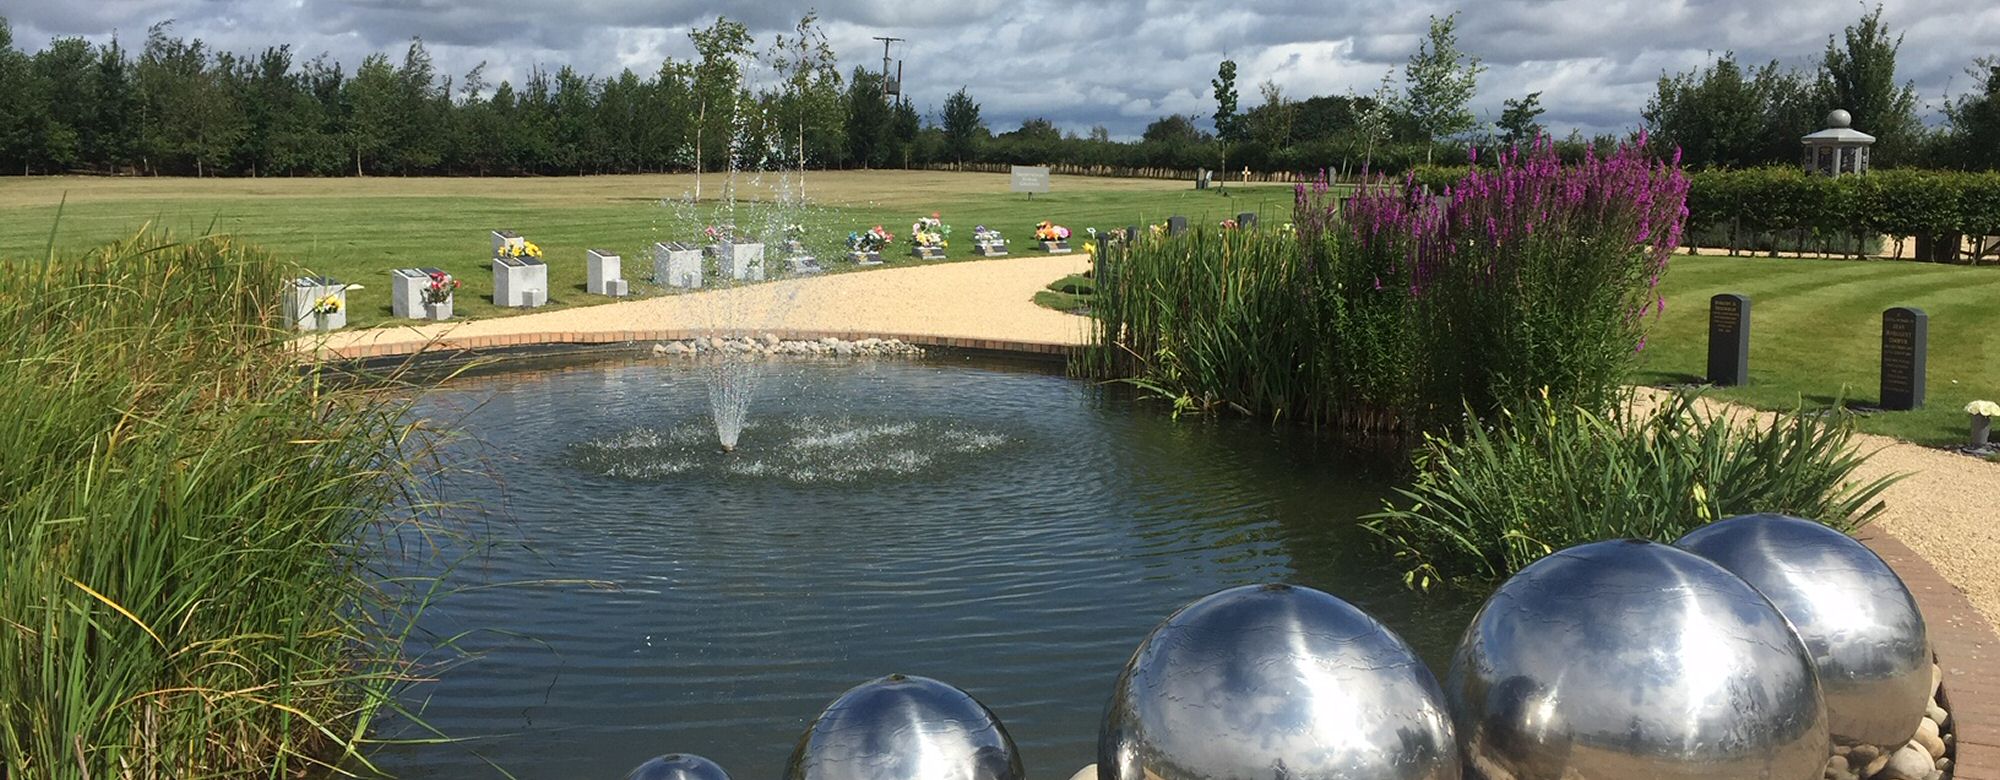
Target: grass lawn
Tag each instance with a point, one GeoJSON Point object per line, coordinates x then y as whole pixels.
{"type": "Point", "coordinates": [1073, 294]}
{"type": "Point", "coordinates": [358, 229]}
{"type": "Point", "coordinates": [1816, 330]}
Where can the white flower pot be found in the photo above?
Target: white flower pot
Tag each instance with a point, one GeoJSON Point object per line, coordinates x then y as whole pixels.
{"type": "Point", "coordinates": [438, 311]}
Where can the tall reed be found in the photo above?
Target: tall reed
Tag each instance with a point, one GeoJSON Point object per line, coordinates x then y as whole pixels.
{"type": "Point", "coordinates": [1393, 309]}
{"type": "Point", "coordinates": [186, 515]}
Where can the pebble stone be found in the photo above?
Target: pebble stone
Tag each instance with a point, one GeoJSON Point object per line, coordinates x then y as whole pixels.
{"type": "Point", "coordinates": [1922, 758]}
{"type": "Point", "coordinates": [769, 344]}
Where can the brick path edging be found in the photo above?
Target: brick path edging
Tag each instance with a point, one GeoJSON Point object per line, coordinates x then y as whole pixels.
{"type": "Point", "coordinates": [1964, 645]}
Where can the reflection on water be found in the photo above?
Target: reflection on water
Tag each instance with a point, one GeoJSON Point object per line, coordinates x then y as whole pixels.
{"type": "Point", "coordinates": [1011, 532]}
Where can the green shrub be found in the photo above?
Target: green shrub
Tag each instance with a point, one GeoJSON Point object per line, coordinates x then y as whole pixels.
{"type": "Point", "coordinates": [1389, 311]}
{"type": "Point", "coordinates": [1732, 206]}
{"type": "Point", "coordinates": [1547, 477]}
{"type": "Point", "coordinates": [185, 525]}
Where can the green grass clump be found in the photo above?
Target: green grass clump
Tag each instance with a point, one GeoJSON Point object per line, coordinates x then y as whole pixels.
{"type": "Point", "coordinates": [1546, 477]}
{"type": "Point", "coordinates": [186, 516]}
{"type": "Point", "coordinates": [1074, 294]}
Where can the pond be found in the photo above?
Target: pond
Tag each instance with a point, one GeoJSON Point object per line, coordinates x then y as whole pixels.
{"type": "Point", "coordinates": [625, 589]}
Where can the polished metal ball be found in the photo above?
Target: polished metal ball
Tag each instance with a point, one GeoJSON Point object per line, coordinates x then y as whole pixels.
{"type": "Point", "coordinates": [1275, 681]}
{"type": "Point", "coordinates": [905, 728]}
{"type": "Point", "coordinates": [1857, 619]}
{"type": "Point", "coordinates": [678, 766]}
{"type": "Point", "coordinates": [1630, 659]}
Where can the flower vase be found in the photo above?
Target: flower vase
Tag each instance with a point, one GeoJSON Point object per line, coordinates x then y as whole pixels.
{"type": "Point", "coordinates": [438, 310]}
{"type": "Point", "coordinates": [1982, 427]}
{"type": "Point", "coordinates": [322, 322]}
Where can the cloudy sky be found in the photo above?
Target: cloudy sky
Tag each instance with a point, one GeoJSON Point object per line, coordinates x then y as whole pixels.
{"type": "Point", "coordinates": [1087, 62]}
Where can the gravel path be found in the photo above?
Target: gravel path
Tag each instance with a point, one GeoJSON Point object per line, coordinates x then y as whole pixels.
{"type": "Point", "coordinates": [990, 299]}
{"type": "Point", "coordinates": [1948, 509]}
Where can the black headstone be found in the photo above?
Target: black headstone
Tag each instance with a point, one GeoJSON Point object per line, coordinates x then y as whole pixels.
{"type": "Point", "coordinates": [1729, 339]}
{"type": "Point", "coordinates": [1905, 340]}
{"type": "Point", "coordinates": [1246, 220]}
{"type": "Point", "coordinates": [1132, 233]}
{"type": "Point", "coordinates": [1176, 225]}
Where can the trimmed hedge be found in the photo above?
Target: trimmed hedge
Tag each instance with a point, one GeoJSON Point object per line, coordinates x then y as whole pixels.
{"type": "Point", "coordinates": [1754, 204]}
{"type": "Point", "coordinates": [1897, 202]}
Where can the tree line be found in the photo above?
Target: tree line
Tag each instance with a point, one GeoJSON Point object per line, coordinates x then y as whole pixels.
{"type": "Point", "coordinates": [177, 106]}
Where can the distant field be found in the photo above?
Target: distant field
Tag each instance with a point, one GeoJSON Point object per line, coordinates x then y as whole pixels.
{"type": "Point", "coordinates": [358, 229]}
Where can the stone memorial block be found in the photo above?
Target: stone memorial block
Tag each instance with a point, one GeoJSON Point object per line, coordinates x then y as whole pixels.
{"type": "Point", "coordinates": [865, 258]}
{"type": "Point", "coordinates": [507, 238]}
{"type": "Point", "coordinates": [1905, 342]}
{"type": "Point", "coordinates": [406, 291]}
{"type": "Point", "coordinates": [305, 294]}
{"type": "Point", "coordinates": [994, 248]}
{"type": "Point", "coordinates": [1176, 225]}
{"type": "Point", "coordinates": [677, 265]}
{"type": "Point", "coordinates": [1729, 339]}
{"type": "Point", "coordinates": [520, 282]}
{"type": "Point", "coordinates": [1246, 220]}
{"type": "Point", "coordinates": [805, 264]}
{"type": "Point", "coordinates": [603, 267]}
{"type": "Point", "coordinates": [742, 261]}
{"type": "Point", "coordinates": [1055, 247]}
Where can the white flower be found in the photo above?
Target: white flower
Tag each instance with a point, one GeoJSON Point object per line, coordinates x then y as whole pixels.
{"type": "Point", "coordinates": [1983, 408]}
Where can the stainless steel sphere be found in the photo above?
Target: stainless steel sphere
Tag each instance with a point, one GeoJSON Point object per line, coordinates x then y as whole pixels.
{"type": "Point", "coordinates": [1275, 681]}
{"type": "Point", "coordinates": [1857, 619]}
{"type": "Point", "coordinates": [905, 728]}
{"type": "Point", "coordinates": [1630, 659]}
{"type": "Point", "coordinates": [678, 766]}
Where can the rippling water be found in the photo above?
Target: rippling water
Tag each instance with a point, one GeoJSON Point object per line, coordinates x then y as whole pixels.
{"type": "Point", "coordinates": [634, 591]}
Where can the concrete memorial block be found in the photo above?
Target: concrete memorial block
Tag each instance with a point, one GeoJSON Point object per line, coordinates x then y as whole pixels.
{"type": "Point", "coordinates": [677, 265]}
{"type": "Point", "coordinates": [406, 292]}
{"type": "Point", "coordinates": [994, 248]}
{"type": "Point", "coordinates": [1246, 220]}
{"type": "Point", "coordinates": [520, 282]}
{"type": "Point", "coordinates": [305, 295]}
{"type": "Point", "coordinates": [503, 239]}
{"type": "Point", "coordinates": [743, 260]}
{"type": "Point", "coordinates": [1905, 343]}
{"type": "Point", "coordinates": [927, 252]}
{"type": "Point", "coordinates": [602, 267]}
{"type": "Point", "coordinates": [1729, 339]}
{"type": "Point", "coordinates": [865, 258]}
{"type": "Point", "coordinates": [1055, 247]}
{"type": "Point", "coordinates": [1176, 225]}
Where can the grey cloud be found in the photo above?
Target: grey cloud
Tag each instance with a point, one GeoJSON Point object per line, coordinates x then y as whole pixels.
{"type": "Point", "coordinates": [1086, 62]}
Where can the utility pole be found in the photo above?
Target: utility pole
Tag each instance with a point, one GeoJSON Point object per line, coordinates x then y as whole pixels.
{"type": "Point", "coordinates": [889, 86]}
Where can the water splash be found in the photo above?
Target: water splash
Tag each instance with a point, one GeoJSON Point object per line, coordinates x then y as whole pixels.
{"type": "Point", "coordinates": [732, 382]}
{"type": "Point", "coordinates": [801, 450]}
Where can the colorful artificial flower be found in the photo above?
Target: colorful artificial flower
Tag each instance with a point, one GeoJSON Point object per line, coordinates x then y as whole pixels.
{"type": "Point", "coordinates": [327, 304]}
{"type": "Point", "coordinates": [441, 287]}
{"type": "Point", "coordinates": [1050, 231]}
{"type": "Point", "coordinates": [1983, 408]}
{"type": "Point", "coordinates": [929, 231]}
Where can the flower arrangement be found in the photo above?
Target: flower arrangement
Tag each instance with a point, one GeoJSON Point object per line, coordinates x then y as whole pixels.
{"type": "Point", "coordinates": [870, 240]}
{"type": "Point", "coordinates": [1050, 231]}
{"type": "Point", "coordinates": [327, 304]}
{"type": "Point", "coordinates": [985, 235]}
{"type": "Point", "coordinates": [720, 234]}
{"type": "Point", "coordinates": [523, 249]}
{"type": "Point", "coordinates": [795, 231]}
{"type": "Point", "coordinates": [930, 231]}
{"type": "Point", "coordinates": [1229, 224]}
{"type": "Point", "coordinates": [441, 287]}
{"type": "Point", "coordinates": [1983, 409]}
{"type": "Point", "coordinates": [1159, 229]}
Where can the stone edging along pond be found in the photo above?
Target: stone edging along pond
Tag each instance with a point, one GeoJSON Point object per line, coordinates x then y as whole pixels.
{"type": "Point", "coordinates": [1963, 642]}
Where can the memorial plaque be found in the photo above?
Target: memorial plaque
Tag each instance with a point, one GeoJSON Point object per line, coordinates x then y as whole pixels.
{"type": "Point", "coordinates": [1176, 225]}
{"type": "Point", "coordinates": [1030, 178]}
{"type": "Point", "coordinates": [1729, 339]}
{"type": "Point", "coordinates": [1905, 340]}
{"type": "Point", "coordinates": [1246, 220]}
